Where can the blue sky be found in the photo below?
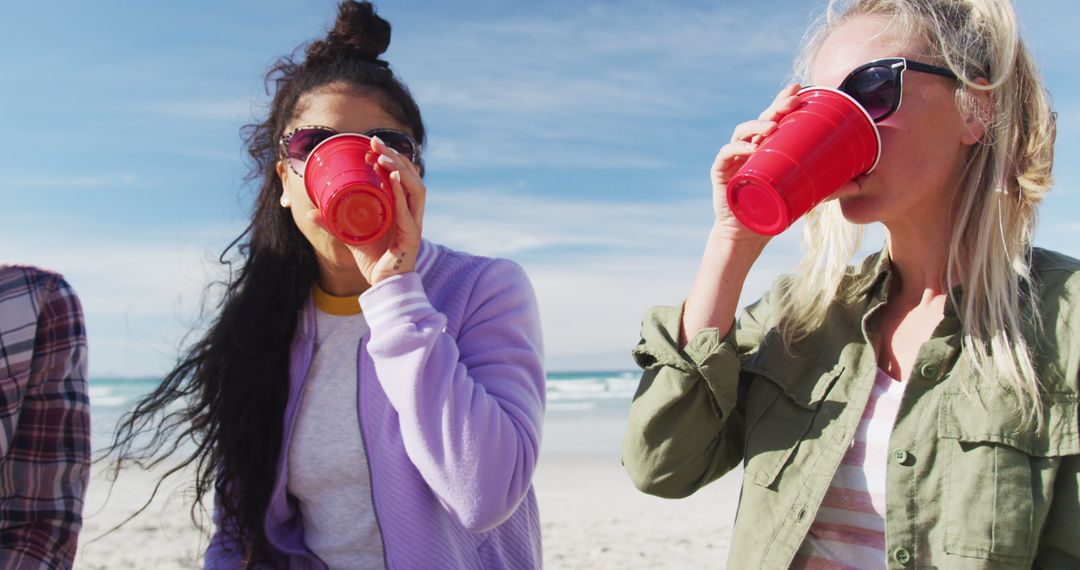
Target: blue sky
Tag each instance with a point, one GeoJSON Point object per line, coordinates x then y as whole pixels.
{"type": "Point", "coordinates": [572, 137]}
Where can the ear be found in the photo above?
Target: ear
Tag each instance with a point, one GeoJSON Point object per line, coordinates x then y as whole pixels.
{"type": "Point", "coordinates": [280, 168]}
{"type": "Point", "coordinates": [978, 114]}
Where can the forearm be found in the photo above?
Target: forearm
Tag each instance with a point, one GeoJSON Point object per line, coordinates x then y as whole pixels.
{"type": "Point", "coordinates": [676, 442]}
{"type": "Point", "coordinates": [686, 424]}
{"type": "Point", "coordinates": [471, 405]}
{"type": "Point", "coordinates": [714, 295]}
{"type": "Point", "coordinates": [477, 450]}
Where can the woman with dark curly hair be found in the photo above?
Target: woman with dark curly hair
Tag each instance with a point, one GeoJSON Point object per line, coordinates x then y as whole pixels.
{"type": "Point", "coordinates": [356, 407]}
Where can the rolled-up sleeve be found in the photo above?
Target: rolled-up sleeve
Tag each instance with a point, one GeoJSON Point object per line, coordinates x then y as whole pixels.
{"type": "Point", "coordinates": [686, 425]}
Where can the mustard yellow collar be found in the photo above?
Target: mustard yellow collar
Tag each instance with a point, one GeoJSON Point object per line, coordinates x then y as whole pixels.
{"type": "Point", "coordinates": [331, 304]}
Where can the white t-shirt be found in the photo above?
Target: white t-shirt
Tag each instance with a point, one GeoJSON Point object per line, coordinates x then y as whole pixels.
{"type": "Point", "coordinates": [328, 470]}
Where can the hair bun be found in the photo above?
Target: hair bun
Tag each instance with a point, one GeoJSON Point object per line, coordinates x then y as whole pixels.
{"type": "Point", "coordinates": [358, 32]}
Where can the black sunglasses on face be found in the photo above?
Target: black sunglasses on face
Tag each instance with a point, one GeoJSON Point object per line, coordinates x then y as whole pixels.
{"type": "Point", "coordinates": [298, 143]}
{"type": "Point", "coordinates": [878, 85]}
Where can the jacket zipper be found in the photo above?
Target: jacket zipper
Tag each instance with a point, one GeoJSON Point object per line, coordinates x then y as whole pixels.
{"type": "Point", "coordinates": [367, 456]}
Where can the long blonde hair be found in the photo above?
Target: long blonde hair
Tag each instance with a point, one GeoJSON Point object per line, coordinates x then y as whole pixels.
{"type": "Point", "coordinates": [1005, 177]}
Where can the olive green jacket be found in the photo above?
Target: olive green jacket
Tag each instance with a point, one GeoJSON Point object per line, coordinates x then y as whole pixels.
{"type": "Point", "coordinates": [965, 486]}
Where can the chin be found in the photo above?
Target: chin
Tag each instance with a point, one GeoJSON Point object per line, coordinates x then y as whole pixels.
{"type": "Point", "coordinates": [859, 210]}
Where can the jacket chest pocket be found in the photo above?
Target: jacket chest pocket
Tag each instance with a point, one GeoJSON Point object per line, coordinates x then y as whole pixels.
{"type": "Point", "coordinates": [785, 394]}
{"type": "Point", "coordinates": [999, 478]}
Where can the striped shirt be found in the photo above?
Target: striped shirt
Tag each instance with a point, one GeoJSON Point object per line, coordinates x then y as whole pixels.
{"type": "Point", "coordinates": [44, 419]}
{"type": "Point", "coordinates": [849, 531]}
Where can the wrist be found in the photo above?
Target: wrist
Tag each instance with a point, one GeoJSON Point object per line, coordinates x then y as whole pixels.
{"type": "Point", "coordinates": [392, 293]}
{"type": "Point", "coordinates": [393, 271]}
{"type": "Point", "coordinates": [735, 242]}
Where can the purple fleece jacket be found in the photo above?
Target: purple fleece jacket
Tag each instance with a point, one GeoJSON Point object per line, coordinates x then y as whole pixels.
{"type": "Point", "coordinates": [450, 401]}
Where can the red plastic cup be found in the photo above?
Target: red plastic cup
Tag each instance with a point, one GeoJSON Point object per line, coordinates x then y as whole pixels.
{"type": "Point", "coordinates": [354, 198]}
{"type": "Point", "coordinates": [825, 142]}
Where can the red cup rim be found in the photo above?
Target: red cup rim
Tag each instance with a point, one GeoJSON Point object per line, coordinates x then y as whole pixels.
{"type": "Point", "coordinates": [309, 162]}
{"type": "Point", "coordinates": [307, 165]}
{"type": "Point", "coordinates": [877, 134]}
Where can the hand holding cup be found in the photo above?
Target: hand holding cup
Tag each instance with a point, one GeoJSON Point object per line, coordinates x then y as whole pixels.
{"type": "Point", "coordinates": [387, 197]}
{"type": "Point", "coordinates": [745, 139]}
{"type": "Point", "coordinates": [827, 140]}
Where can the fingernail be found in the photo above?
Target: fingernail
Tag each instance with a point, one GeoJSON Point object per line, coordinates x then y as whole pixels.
{"type": "Point", "coordinates": [396, 175]}
{"type": "Point", "coordinates": [380, 140]}
{"type": "Point", "coordinates": [385, 159]}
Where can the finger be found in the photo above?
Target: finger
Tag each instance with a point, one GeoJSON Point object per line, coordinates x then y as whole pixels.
{"type": "Point", "coordinates": [780, 108]}
{"type": "Point", "coordinates": [381, 170]}
{"type": "Point", "coordinates": [416, 196]}
{"type": "Point", "coordinates": [731, 156]}
{"type": "Point", "coordinates": [381, 147]}
{"type": "Point", "coordinates": [751, 130]}
{"type": "Point", "coordinates": [412, 185]}
{"type": "Point", "coordinates": [410, 173]}
{"type": "Point", "coordinates": [785, 102]}
{"type": "Point", "coordinates": [735, 150]}
{"type": "Point", "coordinates": [403, 218]}
{"type": "Point", "coordinates": [391, 164]}
{"type": "Point", "coordinates": [415, 218]}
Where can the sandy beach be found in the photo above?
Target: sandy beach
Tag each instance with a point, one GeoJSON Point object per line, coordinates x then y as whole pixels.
{"type": "Point", "coordinates": [591, 514]}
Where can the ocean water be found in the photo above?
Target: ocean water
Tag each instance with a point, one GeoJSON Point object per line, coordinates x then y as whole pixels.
{"type": "Point", "coordinates": [595, 392]}
{"type": "Point", "coordinates": [570, 396]}
{"type": "Point", "coordinates": [109, 399]}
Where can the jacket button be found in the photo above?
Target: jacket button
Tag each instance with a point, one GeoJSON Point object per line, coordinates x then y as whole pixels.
{"type": "Point", "coordinates": [929, 371]}
{"type": "Point", "coordinates": [900, 456]}
{"type": "Point", "coordinates": [902, 556]}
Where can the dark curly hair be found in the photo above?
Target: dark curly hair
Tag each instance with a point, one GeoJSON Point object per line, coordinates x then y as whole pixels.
{"type": "Point", "coordinates": [227, 394]}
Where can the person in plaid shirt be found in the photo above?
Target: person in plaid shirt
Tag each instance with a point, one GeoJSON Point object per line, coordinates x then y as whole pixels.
{"type": "Point", "coordinates": [44, 419]}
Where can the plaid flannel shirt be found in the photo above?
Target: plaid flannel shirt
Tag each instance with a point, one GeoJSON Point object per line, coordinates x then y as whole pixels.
{"type": "Point", "coordinates": [44, 419]}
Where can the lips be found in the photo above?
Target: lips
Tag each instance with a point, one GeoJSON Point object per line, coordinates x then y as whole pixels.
{"type": "Point", "coordinates": [850, 188]}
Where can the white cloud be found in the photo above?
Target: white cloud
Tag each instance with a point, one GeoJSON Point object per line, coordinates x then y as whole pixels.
{"type": "Point", "coordinates": [505, 223]}
{"type": "Point", "coordinates": [514, 92]}
{"type": "Point", "coordinates": [139, 296]}
{"type": "Point", "coordinates": [592, 310]}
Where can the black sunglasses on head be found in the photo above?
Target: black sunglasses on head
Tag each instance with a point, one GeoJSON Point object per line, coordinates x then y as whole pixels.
{"type": "Point", "coordinates": [298, 143]}
{"type": "Point", "coordinates": [878, 85]}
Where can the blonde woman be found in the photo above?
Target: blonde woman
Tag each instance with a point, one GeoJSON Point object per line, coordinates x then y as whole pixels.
{"type": "Point", "coordinates": [918, 409]}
